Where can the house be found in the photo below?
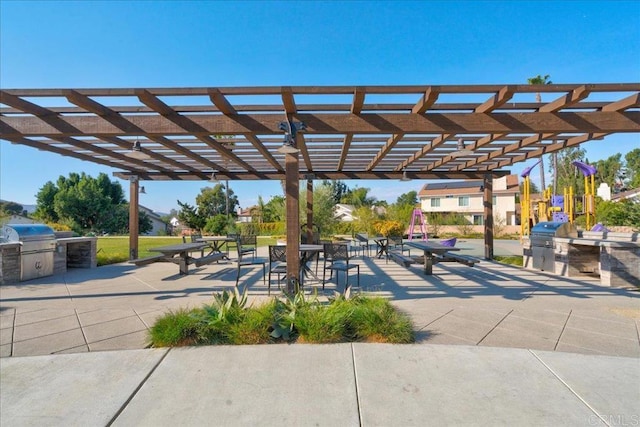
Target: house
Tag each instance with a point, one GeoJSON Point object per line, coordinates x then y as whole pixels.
{"type": "Point", "coordinates": [245, 215]}
{"type": "Point", "coordinates": [466, 198]}
{"type": "Point", "coordinates": [633, 195]}
{"type": "Point", "coordinates": [343, 212]}
{"type": "Point", "coordinates": [159, 227]}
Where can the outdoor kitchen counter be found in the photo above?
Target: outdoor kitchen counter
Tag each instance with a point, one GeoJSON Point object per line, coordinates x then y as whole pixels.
{"type": "Point", "coordinates": [616, 262]}
{"type": "Point", "coordinates": [75, 252]}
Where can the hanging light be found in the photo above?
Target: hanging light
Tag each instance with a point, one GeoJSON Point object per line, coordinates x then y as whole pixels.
{"type": "Point", "coordinates": [405, 177]}
{"type": "Point", "coordinates": [142, 191]}
{"type": "Point", "coordinates": [461, 150]}
{"type": "Point", "coordinates": [290, 130]}
{"type": "Point", "coordinates": [213, 177]}
{"type": "Point", "coordinates": [136, 151]}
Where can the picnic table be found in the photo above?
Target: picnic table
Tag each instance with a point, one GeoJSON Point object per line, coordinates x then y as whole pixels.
{"type": "Point", "coordinates": [438, 252]}
{"type": "Point", "coordinates": [216, 243]}
{"type": "Point", "coordinates": [181, 255]}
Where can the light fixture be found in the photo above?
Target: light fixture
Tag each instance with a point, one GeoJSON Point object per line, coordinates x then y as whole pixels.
{"type": "Point", "coordinates": [136, 151]}
{"type": "Point", "coordinates": [142, 190]}
{"type": "Point", "coordinates": [290, 130]}
{"type": "Point", "coordinates": [213, 177]}
{"type": "Point", "coordinates": [461, 150]}
{"type": "Point", "coordinates": [405, 177]}
{"type": "Point", "coordinates": [288, 147]}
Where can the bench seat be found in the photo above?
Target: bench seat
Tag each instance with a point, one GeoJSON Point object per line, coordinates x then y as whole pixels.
{"type": "Point", "coordinates": [198, 262]}
{"type": "Point", "coordinates": [148, 260]}
{"type": "Point", "coordinates": [401, 259]}
{"type": "Point", "coordinates": [451, 257]}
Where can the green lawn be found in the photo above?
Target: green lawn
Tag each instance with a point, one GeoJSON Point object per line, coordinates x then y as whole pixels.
{"type": "Point", "coordinates": [115, 249]}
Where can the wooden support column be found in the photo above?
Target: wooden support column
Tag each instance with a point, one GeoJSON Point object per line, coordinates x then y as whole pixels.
{"type": "Point", "coordinates": [309, 230]}
{"type": "Point", "coordinates": [292, 192]}
{"type": "Point", "coordinates": [133, 217]}
{"type": "Point", "coordinates": [488, 216]}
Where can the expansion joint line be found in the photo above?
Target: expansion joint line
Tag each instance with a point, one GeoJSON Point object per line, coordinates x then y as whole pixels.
{"type": "Point", "coordinates": [133, 394]}
{"type": "Point", "coordinates": [562, 331]}
{"type": "Point", "coordinates": [569, 387]}
{"type": "Point", "coordinates": [493, 329]}
{"type": "Point", "coordinates": [355, 378]}
{"type": "Point", "coordinates": [84, 337]}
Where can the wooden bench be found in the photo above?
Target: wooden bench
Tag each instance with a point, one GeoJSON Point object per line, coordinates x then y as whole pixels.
{"type": "Point", "coordinates": [148, 260]}
{"type": "Point", "coordinates": [451, 257]}
{"type": "Point", "coordinates": [216, 256]}
{"type": "Point", "coordinates": [401, 259]}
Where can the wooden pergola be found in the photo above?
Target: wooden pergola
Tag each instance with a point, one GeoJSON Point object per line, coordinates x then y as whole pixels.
{"type": "Point", "coordinates": [351, 132]}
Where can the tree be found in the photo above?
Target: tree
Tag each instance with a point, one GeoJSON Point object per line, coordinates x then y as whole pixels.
{"type": "Point", "coordinates": [338, 189]}
{"type": "Point", "coordinates": [274, 209]}
{"type": "Point", "coordinates": [410, 198]}
{"type": "Point", "coordinates": [608, 170]}
{"type": "Point", "coordinates": [533, 188]}
{"type": "Point", "coordinates": [213, 201]}
{"type": "Point", "coordinates": [323, 204]}
{"type": "Point", "coordinates": [542, 80]}
{"type": "Point", "coordinates": [568, 174]}
{"type": "Point", "coordinates": [84, 202]}
{"type": "Point", "coordinates": [10, 208]}
{"type": "Point", "coordinates": [44, 203]}
{"type": "Point", "coordinates": [190, 217]}
{"type": "Point", "coordinates": [358, 197]}
{"type": "Point", "coordinates": [632, 159]}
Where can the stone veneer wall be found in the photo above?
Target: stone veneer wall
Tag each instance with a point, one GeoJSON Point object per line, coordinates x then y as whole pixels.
{"type": "Point", "coordinates": [620, 266]}
{"type": "Point", "coordinates": [9, 263]}
{"type": "Point", "coordinates": [576, 260]}
{"type": "Point", "coordinates": [79, 252]}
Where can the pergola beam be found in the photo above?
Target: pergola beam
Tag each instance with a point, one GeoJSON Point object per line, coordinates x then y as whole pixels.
{"type": "Point", "coordinates": [329, 175]}
{"type": "Point", "coordinates": [463, 123]}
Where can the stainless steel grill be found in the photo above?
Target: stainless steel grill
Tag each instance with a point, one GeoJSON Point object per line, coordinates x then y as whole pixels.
{"type": "Point", "coordinates": [542, 248]}
{"type": "Point", "coordinates": [38, 243]}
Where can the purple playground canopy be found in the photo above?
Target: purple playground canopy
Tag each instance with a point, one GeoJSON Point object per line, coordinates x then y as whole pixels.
{"type": "Point", "coordinates": [587, 170]}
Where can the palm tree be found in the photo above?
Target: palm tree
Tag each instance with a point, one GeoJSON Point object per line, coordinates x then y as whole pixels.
{"type": "Point", "coordinates": [541, 80]}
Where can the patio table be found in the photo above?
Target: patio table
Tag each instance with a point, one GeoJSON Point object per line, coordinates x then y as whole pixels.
{"type": "Point", "coordinates": [382, 246]}
{"type": "Point", "coordinates": [429, 249]}
{"type": "Point", "coordinates": [216, 243]}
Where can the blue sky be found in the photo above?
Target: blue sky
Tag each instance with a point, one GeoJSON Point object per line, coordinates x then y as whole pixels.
{"type": "Point", "coordinates": [175, 44]}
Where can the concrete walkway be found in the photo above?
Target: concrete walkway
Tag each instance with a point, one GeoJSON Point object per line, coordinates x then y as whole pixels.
{"type": "Point", "coordinates": [507, 353]}
{"type": "Point", "coordinates": [333, 385]}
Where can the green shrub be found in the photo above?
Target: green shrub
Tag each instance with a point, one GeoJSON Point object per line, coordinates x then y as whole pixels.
{"type": "Point", "coordinates": [176, 329]}
{"type": "Point", "coordinates": [254, 327]}
{"type": "Point", "coordinates": [376, 320]}
{"type": "Point", "coordinates": [228, 321]}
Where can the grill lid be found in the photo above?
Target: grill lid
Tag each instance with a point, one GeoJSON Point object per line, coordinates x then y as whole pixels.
{"type": "Point", "coordinates": [26, 232]}
{"type": "Point", "coordinates": [554, 229]}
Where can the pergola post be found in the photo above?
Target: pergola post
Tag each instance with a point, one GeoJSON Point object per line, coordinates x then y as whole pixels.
{"type": "Point", "coordinates": [292, 190]}
{"type": "Point", "coordinates": [133, 217]}
{"type": "Point", "coordinates": [488, 216]}
{"type": "Point", "coordinates": [309, 230]}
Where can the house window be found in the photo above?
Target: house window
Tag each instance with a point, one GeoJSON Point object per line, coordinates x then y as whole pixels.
{"type": "Point", "coordinates": [478, 220]}
{"type": "Point", "coordinates": [435, 203]}
{"type": "Point", "coordinates": [463, 201]}
{"type": "Point", "coordinates": [493, 200]}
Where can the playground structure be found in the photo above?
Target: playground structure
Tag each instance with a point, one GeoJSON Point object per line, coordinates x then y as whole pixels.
{"type": "Point", "coordinates": [552, 207]}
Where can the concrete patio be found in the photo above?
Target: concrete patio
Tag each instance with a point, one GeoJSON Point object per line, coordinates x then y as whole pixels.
{"type": "Point", "coordinates": [504, 352]}
{"type": "Point", "coordinates": [491, 304]}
